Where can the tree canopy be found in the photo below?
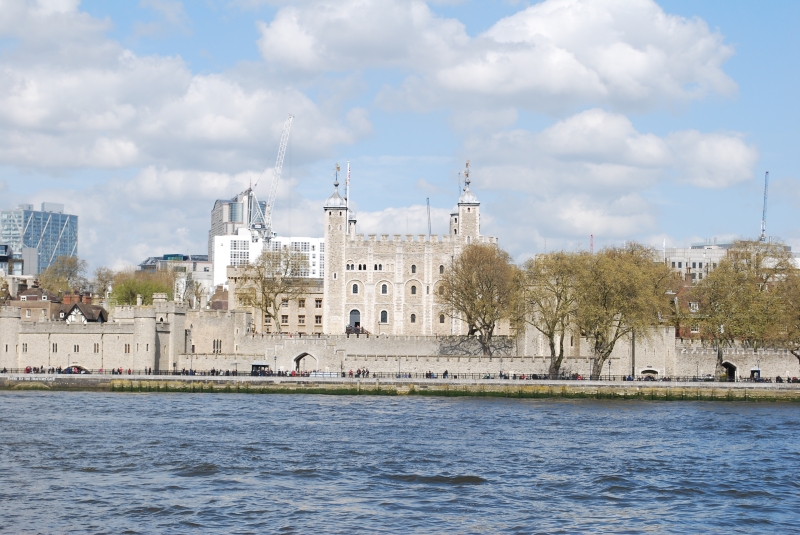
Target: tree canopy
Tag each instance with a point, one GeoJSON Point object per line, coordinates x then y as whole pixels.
{"type": "Point", "coordinates": [748, 298]}
{"type": "Point", "coordinates": [65, 274]}
{"type": "Point", "coordinates": [550, 298]}
{"type": "Point", "coordinates": [621, 291]}
{"type": "Point", "coordinates": [481, 287]}
{"type": "Point", "coordinates": [129, 283]}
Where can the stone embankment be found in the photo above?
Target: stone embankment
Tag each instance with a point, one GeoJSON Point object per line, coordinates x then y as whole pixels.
{"type": "Point", "coordinates": [391, 387]}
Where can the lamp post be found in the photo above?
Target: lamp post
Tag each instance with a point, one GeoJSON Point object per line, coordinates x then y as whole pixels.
{"type": "Point", "coordinates": [275, 371]}
{"type": "Point", "coordinates": [609, 369]}
{"type": "Point", "coordinates": [191, 363]}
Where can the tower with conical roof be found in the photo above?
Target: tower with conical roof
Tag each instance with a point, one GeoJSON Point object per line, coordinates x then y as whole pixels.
{"type": "Point", "coordinates": [465, 219]}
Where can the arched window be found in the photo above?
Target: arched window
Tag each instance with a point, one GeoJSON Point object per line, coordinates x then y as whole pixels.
{"type": "Point", "coordinates": [413, 318]}
{"type": "Point", "coordinates": [384, 316]}
{"type": "Point", "coordinates": [468, 209]}
{"type": "Point", "coordinates": [413, 290]}
{"type": "Point", "coordinates": [441, 318]}
{"type": "Point", "coordinates": [380, 267]}
{"type": "Point", "coordinates": [375, 268]}
{"type": "Point", "coordinates": [355, 288]}
{"type": "Point", "coordinates": [455, 231]}
{"type": "Point", "coordinates": [413, 269]}
{"type": "Point", "coordinates": [441, 290]}
{"type": "Point", "coordinates": [441, 270]}
{"type": "Point", "coordinates": [384, 289]}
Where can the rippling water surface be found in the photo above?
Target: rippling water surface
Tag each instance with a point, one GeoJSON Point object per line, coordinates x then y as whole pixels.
{"type": "Point", "coordinates": [161, 463]}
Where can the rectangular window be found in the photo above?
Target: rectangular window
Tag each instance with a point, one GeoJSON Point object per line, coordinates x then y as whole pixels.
{"type": "Point", "coordinates": [694, 265]}
{"type": "Point", "coordinates": [680, 264]}
{"type": "Point", "coordinates": [127, 348]}
{"type": "Point", "coordinates": [695, 328]}
{"type": "Point", "coordinates": [55, 348]}
{"type": "Point", "coordinates": [694, 307]}
{"type": "Point", "coordinates": [76, 348]}
{"type": "Point", "coordinates": [700, 265]}
{"type": "Point", "coordinates": [694, 276]}
{"type": "Point", "coordinates": [97, 348]}
{"type": "Point", "coordinates": [285, 319]}
{"type": "Point", "coordinates": [285, 303]}
{"type": "Point", "coordinates": [714, 265]}
{"type": "Point", "coordinates": [673, 264]}
{"type": "Point", "coordinates": [301, 303]}
{"type": "Point", "coordinates": [318, 320]}
{"type": "Point", "coordinates": [317, 303]}
{"type": "Point", "coordinates": [24, 348]}
{"type": "Point", "coordinates": [267, 320]}
{"type": "Point", "coordinates": [301, 320]}
{"type": "Point", "coordinates": [28, 313]}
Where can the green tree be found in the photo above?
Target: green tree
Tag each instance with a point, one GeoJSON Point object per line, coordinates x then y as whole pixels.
{"type": "Point", "coordinates": [621, 292]}
{"type": "Point", "coordinates": [550, 298]}
{"type": "Point", "coordinates": [275, 276]}
{"type": "Point", "coordinates": [66, 273]}
{"type": "Point", "coordinates": [481, 287]}
{"type": "Point", "coordinates": [744, 299]}
{"type": "Point", "coordinates": [128, 284]}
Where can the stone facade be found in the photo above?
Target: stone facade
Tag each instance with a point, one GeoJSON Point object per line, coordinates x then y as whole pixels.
{"type": "Point", "coordinates": [168, 337]}
{"type": "Point", "coordinates": [389, 286]}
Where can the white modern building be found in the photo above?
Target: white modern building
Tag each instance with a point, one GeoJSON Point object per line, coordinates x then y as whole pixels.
{"type": "Point", "coordinates": [243, 248]}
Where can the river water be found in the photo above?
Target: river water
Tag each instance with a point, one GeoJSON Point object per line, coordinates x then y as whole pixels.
{"type": "Point", "coordinates": [194, 463]}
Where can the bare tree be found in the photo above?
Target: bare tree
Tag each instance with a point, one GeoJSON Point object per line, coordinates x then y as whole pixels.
{"type": "Point", "coordinates": [274, 277]}
{"type": "Point", "coordinates": [622, 291]}
{"type": "Point", "coordinates": [481, 288]}
{"type": "Point", "coordinates": [103, 279]}
{"type": "Point", "coordinates": [66, 273]}
{"type": "Point", "coordinates": [550, 297]}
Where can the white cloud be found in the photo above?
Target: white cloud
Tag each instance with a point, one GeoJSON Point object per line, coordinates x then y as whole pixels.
{"type": "Point", "coordinates": [552, 56]}
{"type": "Point", "coordinates": [72, 98]}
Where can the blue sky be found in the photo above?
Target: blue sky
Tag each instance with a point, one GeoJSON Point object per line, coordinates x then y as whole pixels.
{"type": "Point", "coordinates": [623, 119]}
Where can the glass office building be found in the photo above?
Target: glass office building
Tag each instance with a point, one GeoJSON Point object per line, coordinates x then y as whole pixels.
{"type": "Point", "coordinates": [49, 231]}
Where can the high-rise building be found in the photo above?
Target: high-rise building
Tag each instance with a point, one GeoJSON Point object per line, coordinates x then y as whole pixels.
{"type": "Point", "coordinates": [228, 216]}
{"type": "Point", "coordinates": [40, 236]}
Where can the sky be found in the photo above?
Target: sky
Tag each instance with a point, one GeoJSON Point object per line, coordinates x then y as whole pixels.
{"type": "Point", "coordinates": [621, 119]}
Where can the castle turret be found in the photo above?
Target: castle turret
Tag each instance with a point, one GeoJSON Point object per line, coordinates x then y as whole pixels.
{"type": "Point", "coordinates": [144, 335]}
{"type": "Point", "coordinates": [467, 222]}
{"type": "Point", "coordinates": [10, 318]}
{"type": "Point", "coordinates": [336, 223]}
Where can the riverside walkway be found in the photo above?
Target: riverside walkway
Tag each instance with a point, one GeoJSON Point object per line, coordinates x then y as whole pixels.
{"type": "Point", "coordinates": [642, 390]}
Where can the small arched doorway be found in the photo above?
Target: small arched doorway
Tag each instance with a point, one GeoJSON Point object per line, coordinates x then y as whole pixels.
{"type": "Point", "coordinates": [649, 374]}
{"type": "Point", "coordinates": [306, 362]}
{"type": "Point", "coordinates": [355, 319]}
{"type": "Point", "coordinates": [730, 371]}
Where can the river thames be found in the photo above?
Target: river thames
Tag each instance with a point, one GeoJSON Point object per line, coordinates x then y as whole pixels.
{"type": "Point", "coordinates": [179, 463]}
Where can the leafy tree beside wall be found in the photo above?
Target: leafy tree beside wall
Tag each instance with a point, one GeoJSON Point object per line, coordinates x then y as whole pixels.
{"type": "Point", "coordinates": [481, 288]}
{"type": "Point", "coordinates": [129, 284]}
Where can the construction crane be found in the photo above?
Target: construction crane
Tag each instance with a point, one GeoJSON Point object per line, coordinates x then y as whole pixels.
{"type": "Point", "coordinates": [763, 236]}
{"type": "Point", "coordinates": [260, 222]}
